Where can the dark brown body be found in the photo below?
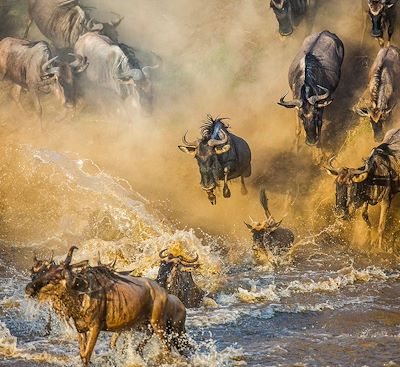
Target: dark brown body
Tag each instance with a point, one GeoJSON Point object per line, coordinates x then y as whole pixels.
{"type": "Point", "coordinates": [99, 299]}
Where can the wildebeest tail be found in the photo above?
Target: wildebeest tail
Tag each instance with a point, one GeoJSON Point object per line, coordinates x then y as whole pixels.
{"type": "Point", "coordinates": [264, 202]}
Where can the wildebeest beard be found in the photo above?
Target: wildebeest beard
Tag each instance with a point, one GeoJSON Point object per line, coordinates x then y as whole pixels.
{"type": "Point", "coordinates": [211, 170]}
{"type": "Point", "coordinates": [349, 198]}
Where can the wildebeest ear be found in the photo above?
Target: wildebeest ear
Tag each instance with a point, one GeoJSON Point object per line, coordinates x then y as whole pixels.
{"type": "Point", "coordinates": [249, 226]}
{"type": "Point", "coordinates": [81, 68]}
{"type": "Point", "coordinates": [186, 149]}
{"type": "Point", "coordinates": [223, 149]}
{"type": "Point", "coordinates": [360, 178]}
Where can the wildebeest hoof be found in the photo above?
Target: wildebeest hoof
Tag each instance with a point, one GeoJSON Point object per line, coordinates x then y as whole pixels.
{"type": "Point", "coordinates": [212, 198]}
{"type": "Point", "coordinates": [226, 192]}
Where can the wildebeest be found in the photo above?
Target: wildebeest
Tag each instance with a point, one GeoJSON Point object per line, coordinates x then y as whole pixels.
{"type": "Point", "coordinates": [99, 299]}
{"type": "Point", "coordinates": [175, 275]}
{"type": "Point", "coordinates": [375, 182]}
{"type": "Point", "coordinates": [313, 77]}
{"type": "Point", "coordinates": [31, 66]}
{"type": "Point", "coordinates": [287, 13]}
{"type": "Point", "coordinates": [383, 18]}
{"type": "Point", "coordinates": [269, 235]}
{"type": "Point", "coordinates": [115, 68]}
{"type": "Point", "coordinates": [220, 155]}
{"type": "Point", "coordinates": [382, 89]}
{"type": "Point", "coordinates": [64, 21]}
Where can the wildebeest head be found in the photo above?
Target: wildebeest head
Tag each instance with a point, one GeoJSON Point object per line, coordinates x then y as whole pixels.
{"type": "Point", "coordinates": [206, 151]}
{"type": "Point", "coordinates": [310, 109]}
{"type": "Point", "coordinates": [175, 275]}
{"type": "Point", "coordinates": [377, 9]}
{"type": "Point", "coordinates": [377, 115]}
{"type": "Point", "coordinates": [58, 77]}
{"type": "Point", "coordinates": [282, 10]}
{"type": "Point", "coordinates": [350, 189]}
{"type": "Point", "coordinates": [261, 231]}
{"type": "Point", "coordinates": [108, 29]}
{"type": "Point", "coordinates": [49, 277]}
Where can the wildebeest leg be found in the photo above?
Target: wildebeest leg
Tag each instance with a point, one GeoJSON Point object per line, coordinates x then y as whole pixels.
{"type": "Point", "coordinates": [158, 324]}
{"type": "Point", "coordinates": [225, 190]}
{"type": "Point", "coordinates": [48, 326]}
{"type": "Point", "coordinates": [243, 188]}
{"type": "Point", "coordinates": [147, 336]}
{"type": "Point", "coordinates": [92, 336]}
{"type": "Point", "coordinates": [390, 31]}
{"type": "Point", "coordinates": [16, 95]}
{"type": "Point", "coordinates": [82, 344]}
{"type": "Point", "coordinates": [114, 339]}
{"type": "Point", "coordinates": [28, 26]}
{"type": "Point", "coordinates": [365, 214]}
{"type": "Point", "coordinates": [385, 205]}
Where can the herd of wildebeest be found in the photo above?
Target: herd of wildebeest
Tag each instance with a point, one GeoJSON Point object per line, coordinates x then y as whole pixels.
{"type": "Point", "coordinates": [86, 53]}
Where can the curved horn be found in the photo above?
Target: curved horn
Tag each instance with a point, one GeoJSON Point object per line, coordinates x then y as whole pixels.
{"type": "Point", "coordinates": [48, 63]}
{"type": "Point", "coordinates": [332, 170]}
{"type": "Point", "coordinates": [68, 259]}
{"type": "Point", "coordinates": [117, 22]}
{"type": "Point", "coordinates": [189, 261]}
{"type": "Point", "coordinates": [79, 60]}
{"type": "Point", "coordinates": [363, 112]}
{"type": "Point", "coordinates": [189, 143]}
{"type": "Point", "coordinates": [135, 74]}
{"type": "Point", "coordinates": [215, 142]}
{"type": "Point", "coordinates": [264, 203]}
{"type": "Point", "coordinates": [290, 104]}
{"type": "Point", "coordinates": [320, 97]}
{"type": "Point", "coordinates": [162, 255]}
{"type": "Point", "coordinates": [94, 27]}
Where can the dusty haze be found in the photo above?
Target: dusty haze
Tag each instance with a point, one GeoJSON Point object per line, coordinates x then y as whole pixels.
{"type": "Point", "coordinates": [219, 58]}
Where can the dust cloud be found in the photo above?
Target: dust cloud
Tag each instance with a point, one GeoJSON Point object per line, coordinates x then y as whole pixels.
{"type": "Point", "coordinates": [227, 59]}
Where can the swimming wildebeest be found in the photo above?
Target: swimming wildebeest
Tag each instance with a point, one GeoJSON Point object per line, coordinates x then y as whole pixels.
{"type": "Point", "coordinates": [115, 68]}
{"type": "Point", "coordinates": [383, 18]}
{"type": "Point", "coordinates": [64, 21]}
{"type": "Point", "coordinates": [287, 13]}
{"type": "Point", "coordinates": [99, 299]}
{"type": "Point", "coordinates": [313, 77]}
{"type": "Point", "coordinates": [175, 275]}
{"type": "Point", "coordinates": [383, 89]}
{"type": "Point", "coordinates": [31, 66]}
{"type": "Point", "coordinates": [269, 235]}
{"type": "Point", "coordinates": [375, 182]}
{"type": "Point", "coordinates": [220, 155]}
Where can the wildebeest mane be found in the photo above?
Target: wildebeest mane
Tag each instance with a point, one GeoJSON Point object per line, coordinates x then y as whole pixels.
{"type": "Point", "coordinates": [208, 128]}
{"type": "Point", "coordinates": [131, 55]}
{"type": "Point", "coordinates": [381, 78]}
{"type": "Point", "coordinates": [314, 73]}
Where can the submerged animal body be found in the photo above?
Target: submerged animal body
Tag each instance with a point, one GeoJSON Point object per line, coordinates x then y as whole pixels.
{"type": "Point", "coordinates": [99, 299]}
{"type": "Point", "coordinates": [31, 66]}
{"type": "Point", "coordinates": [220, 155]}
{"type": "Point", "coordinates": [269, 235]}
{"type": "Point", "coordinates": [383, 89]}
{"type": "Point", "coordinates": [175, 275]}
{"type": "Point", "coordinates": [64, 21]}
{"type": "Point", "coordinates": [287, 14]}
{"type": "Point", "coordinates": [378, 181]}
{"type": "Point", "coordinates": [313, 77]}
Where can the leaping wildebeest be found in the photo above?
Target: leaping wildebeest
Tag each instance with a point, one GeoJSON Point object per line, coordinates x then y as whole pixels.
{"type": "Point", "coordinates": [31, 66]}
{"type": "Point", "coordinates": [313, 77]}
{"type": "Point", "coordinates": [114, 68]}
{"type": "Point", "coordinates": [100, 299]}
{"type": "Point", "coordinates": [377, 181]}
{"type": "Point", "coordinates": [64, 21]}
{"type": "Point", "coordinates": [383, 18]}
{"type": "Point", "coordinates": [220, 155]}
{"type": "Point", "coordinates": [383, 89]}
{"type": "Point", "coordinates": [175, 275]}
{"type": "Point", "coordinates": [268, 235]}
{"type": "Point", "coordinates": [287, 13]}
